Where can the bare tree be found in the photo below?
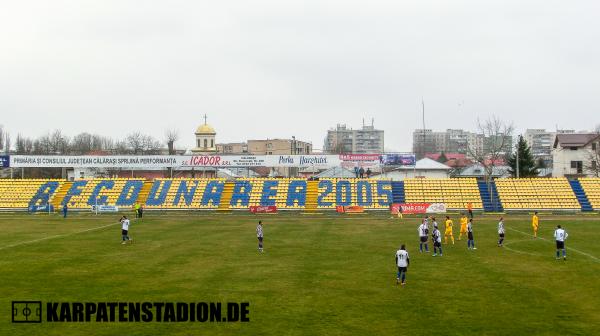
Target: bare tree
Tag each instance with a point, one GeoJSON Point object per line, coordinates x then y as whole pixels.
{"type": "Point", "coordinates": [135, 142]}
{"type": "Point", "coordinates": [23, 145]}
{"type": "Point", "coordinates": [497, 142]}
{"type": "Point", "coordinates": [150, 145]}
{"type": "Point", "coordinates": [171, 136]}
{"type": "Point", "coordinates": [1, 137]}
{"type": "Point", "coordinates": [59, 143]}
{"type": "Point", "coordinates": [592, 164]}
{"type": "Point", "coordinates": [7, 143]}
{"type": "Point", "coordinates": [138, 143]}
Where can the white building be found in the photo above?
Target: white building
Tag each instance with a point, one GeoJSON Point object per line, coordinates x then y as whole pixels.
{"type": "Point", "coordinates": [572, 154]}
{"type": "Point", "coordinates": [541, 142]}
{"type": "Point", "coordinates": [360, 141]}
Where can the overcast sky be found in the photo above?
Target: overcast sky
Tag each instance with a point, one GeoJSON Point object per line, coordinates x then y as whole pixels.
{"type": "Point", "coordinates": [279, 68]}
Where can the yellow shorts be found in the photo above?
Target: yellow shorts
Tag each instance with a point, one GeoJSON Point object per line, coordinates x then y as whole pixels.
{"type": "Point", "coordinates": [448, 233]}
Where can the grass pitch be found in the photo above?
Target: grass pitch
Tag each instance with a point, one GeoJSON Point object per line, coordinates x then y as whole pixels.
{"type": "Point", "coordinates": [318, 275]}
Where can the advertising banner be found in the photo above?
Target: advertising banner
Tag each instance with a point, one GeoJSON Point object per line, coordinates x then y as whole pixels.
{"type": "Point", "coordinates": [263, 209]}
{"type": "Point", "coordinates": [104, 208]}
{"type": "Point", "coordinates": [166, 161]}
{"type": "Point", "coordinates": [418, 208]}
{"type": "Point", "coordinates": [41, 208]}
{"type": "Point", "coordinates": [373, 160]}
{"type": "Point", "coordinates": [398, 159]}
{"type": "Point", "coordinates": [349, 209]}
{"type": "Point", "coordinates": [4, 161]}
{"type": "Point", "coordinates": [360, 157]}
{"type": "Point", "coordinates": [261, 161]}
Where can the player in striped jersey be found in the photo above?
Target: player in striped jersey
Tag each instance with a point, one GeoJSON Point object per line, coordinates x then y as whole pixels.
{"type": "Point", "coordinates": [500, 232]}
{"type": "Point", "coordinates": [470, 241]}
{"type": "Point", "coordinates": [402, 261]}
{"type": "Point", "coordinates": [259, 235]}
{"type": "Point", "coordinates": [560, 235]}
{"type": "Point", "coordinates": [125, 230]}
{"type": "Point", "coordinates": [437, 241]}
{"type": "Point", "coordinates": [423, 232]}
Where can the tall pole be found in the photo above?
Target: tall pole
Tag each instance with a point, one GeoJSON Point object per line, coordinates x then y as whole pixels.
{"type": "Point", "coordinates": [518, 159]}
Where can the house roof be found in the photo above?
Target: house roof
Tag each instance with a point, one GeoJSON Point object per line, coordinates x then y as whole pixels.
{"type": "Point", "coordinates": [336, 172]}
{"type": "Point", "coordinates": [454, 163]}
{"type": "Point", "coordinates": [478, 170]}
{"type": "Point", "coordinates": [426, 164]}
{"type": "Point", "coordinates": [449, 156]}
{"type": "Point", "coordinates": [574, 139]}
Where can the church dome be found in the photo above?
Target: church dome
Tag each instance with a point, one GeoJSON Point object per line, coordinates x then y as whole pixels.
{"type": "Point", "coordinates": [205, 129]}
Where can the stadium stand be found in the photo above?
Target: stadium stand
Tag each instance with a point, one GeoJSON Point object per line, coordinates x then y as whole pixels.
{"type": "Point", "coordinates": [103, 191]}
{"type": "Point", "coordinates": [185, 193]}
{"type": "Point", "coordinates": [456, 193]}
{"type": "Point", "coordinates": [536, 193]}
{"type": "Point", "coordinates": [370, 194]}
{"type": "Point", "coordinates": [23, 193]}
{"type": "Point", "coordinates": [294, 193]}
{"type": "Point", "coordinates": [591, 187]}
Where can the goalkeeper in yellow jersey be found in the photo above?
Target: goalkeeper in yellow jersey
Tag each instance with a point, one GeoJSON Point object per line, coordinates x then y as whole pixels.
{"type": "Point", "coordinates": [535, 223]}
{"type": "Point", "coordinates": [463, 225]}
{"type": "Point", "coordinates": [448, 231]}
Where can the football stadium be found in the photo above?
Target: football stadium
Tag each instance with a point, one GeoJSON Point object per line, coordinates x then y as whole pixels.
{"type": "Point", "coordinates": [328, 261]}
{"type": "Point", "coordinates": [313, 167]}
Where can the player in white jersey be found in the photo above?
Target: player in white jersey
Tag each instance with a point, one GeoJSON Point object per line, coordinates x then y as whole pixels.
{"type": "Point", "coordinates": [501, 232]}
{"type": "Point", "coordinates": [125, 230]}
{"type": "Point", "coordinates": [423, 232]}
{"type": "Point", "coordinates": [560, 235]}
{"type": "Point", "coordinates": [437, 241]}
{"type": "Point", "coordinates": [402, 261]}
{"type": "Point", "coordinates": [470, 241]}
{"type": "Point", "coordinates": [259, 235]}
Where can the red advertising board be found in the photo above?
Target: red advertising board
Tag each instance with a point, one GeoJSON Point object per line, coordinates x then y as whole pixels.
{"type": "Point", "coordinates": [263, 209]}
{"type": "Point", "coordinates": [349, 209]}
{"type": "Point", "coordinates": [359, 157]}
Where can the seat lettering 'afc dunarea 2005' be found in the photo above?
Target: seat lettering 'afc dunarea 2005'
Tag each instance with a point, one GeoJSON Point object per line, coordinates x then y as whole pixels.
{"type": "Point", "coordinates": [296, 194]}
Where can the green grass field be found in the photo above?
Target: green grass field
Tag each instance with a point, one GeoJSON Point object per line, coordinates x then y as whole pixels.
{"type": "Point", "coordinates": [318, 275]}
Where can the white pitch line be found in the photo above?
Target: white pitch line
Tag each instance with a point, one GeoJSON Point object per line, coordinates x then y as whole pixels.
{"type": "Point", "coordinates": [569, 248]}
{"type": "Point", "coordinates": [57, 236]}
{"type": "Point", "coordinates": [505, 245]}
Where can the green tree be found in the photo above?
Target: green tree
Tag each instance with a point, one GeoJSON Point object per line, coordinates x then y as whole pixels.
{"type": "Point", "coordinates": [527, 165]}
{"type": "Point", "coordinates": [442, 158]}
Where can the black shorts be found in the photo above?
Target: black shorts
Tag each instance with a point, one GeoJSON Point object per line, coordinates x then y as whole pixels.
{"type": "Point", "coordinates": [470, 235]}
{"type": "Point", "coordinates": [402, 269]}
{"type": "Point", "coordinates": [124, 232]}
{"type": "Point", "coordinates": [437, 244]}
{"type": "Point", "coordinates": [260, 239]}
{"type": "Point", "coordinates": [424, 239]}
{"type": "Point", "coordinates": [501, 235]}
{"type": "Point", "coordinates": [560, 245]}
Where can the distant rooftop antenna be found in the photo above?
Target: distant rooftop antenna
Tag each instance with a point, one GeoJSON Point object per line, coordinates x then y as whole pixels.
{"type": "Point", "coordinates": [363, 122]}
{"type": "Point", "coordinates": [372, 122]}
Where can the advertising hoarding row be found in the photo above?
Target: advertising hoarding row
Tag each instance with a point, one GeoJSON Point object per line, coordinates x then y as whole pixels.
{"type": "Point", "coordinates": [217, 161]}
